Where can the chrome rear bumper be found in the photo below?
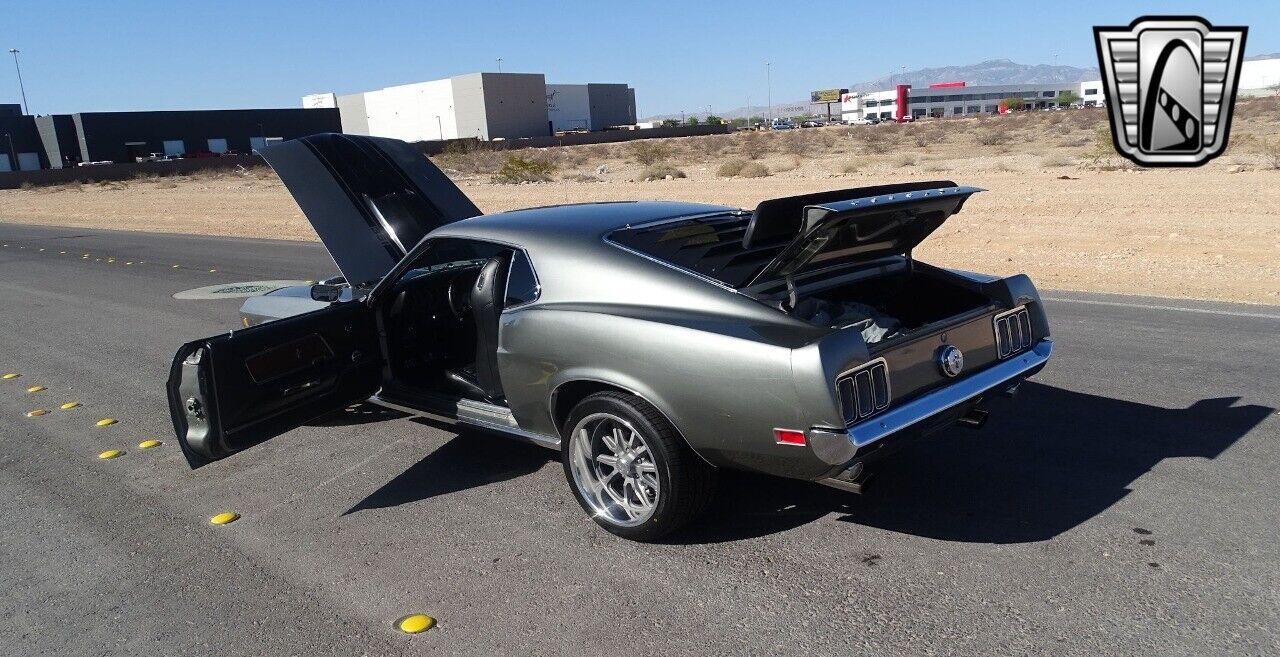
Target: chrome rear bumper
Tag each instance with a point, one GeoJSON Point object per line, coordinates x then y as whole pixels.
{"type": "Point", "coordinates": [838, 447]}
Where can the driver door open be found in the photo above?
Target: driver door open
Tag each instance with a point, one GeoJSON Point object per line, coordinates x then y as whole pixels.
{"type": "Point", "coordinates": [230, 392]}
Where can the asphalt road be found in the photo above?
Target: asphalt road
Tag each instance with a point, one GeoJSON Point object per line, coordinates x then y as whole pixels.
{"type": "Point", "coordinates": [1125, 503]}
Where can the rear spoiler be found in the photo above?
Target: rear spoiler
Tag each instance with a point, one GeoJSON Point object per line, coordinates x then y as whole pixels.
{"type": "Point", "coordinates": [781, 218]}
{"type": "Point", "coordinates": [879, 225]}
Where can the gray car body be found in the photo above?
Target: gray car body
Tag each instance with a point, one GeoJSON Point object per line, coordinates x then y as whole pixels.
{"type": "Point", "coordinates": [723, 366]}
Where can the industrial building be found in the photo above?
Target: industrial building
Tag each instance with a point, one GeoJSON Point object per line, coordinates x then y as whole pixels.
{"type": "Point", "coordinates": [948, 99]}
{"type": "Point", "coordinates": [484, 106]}
{"type": "Point", "coordinates": [65, 140]}
{"type": "Point", "coordinates": [20, 146]}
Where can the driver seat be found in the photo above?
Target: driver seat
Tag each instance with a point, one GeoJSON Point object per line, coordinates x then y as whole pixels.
{"type": "Point", "coordinates": [480, 379]}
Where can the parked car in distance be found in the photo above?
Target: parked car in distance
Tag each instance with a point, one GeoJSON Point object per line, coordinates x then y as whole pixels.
{"type": "Point", "coordinates": [812, 124]}
{"type": "Point", "coordinates": [869, 120]}
{"type": "Point", "coordinates": [782, 124]}
{"type": "Point", "coordinates": [652, 344]}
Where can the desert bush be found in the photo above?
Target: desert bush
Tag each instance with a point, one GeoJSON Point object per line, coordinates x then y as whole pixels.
{"type": "Point", "coordinates": [755, 145]}
{"type": "Point", "coordinates": [465, 160]}
{"type": "Point", "coordinates": [27, 185]}
{"type": "Point", "coordinates": [904, 160]}
{"type": "Point", "coordinates": [936, 167]}
{"type": "Point", "coordinates": [994, 135]}
{"type": "Point", "coordinates": [649, 151]}
{"type": "Point", "coordinates": [580, 177]}
{"type": "Point", "coordinates": [566, 156]}
{"type": "Point", "coordinates": [661, 171]}
{"type": "Point", "coordinates": [1102, 149]}
{"type": "Point", "coordinates": [731, 168]}
{"type": "Point", "coordinates": [596, 151]}
{"type": "Point", "coordinates": [1258, 108]}
{"type": "Point", "coordinates": [1270, 152]}
{"type": "Point", "coordinates": [850, 167]}
{"type": "Point", "coordinates": [711, 144]}
{"type": "Point", "coordinates": [875, 139]}
{"type": "Point", "coordinates": [826, 138]}
{"type": "Point", "coordinates": [519, 169]}
{"type": "Point", "coordinates": [796, 143]}
{"type": "Point", "coordinates": [1056, 161]}
{"type": "Point", "coordinates": [754, 170]}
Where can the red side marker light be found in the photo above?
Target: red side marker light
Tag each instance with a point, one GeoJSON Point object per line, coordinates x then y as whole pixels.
{"type": "Point", "coordinates": [788, 436]}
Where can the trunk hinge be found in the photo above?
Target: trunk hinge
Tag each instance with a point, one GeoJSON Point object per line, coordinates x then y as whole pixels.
{"type": "Point", "coordinates": [911, 263]}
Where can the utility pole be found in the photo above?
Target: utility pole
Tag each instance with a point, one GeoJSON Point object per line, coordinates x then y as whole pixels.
{"type": "Point", "coordinates": [25, 107]}
{"type": "Point", "coordinates": [768, 80]}
{"type": "Point", "coordinates": [499, 64]}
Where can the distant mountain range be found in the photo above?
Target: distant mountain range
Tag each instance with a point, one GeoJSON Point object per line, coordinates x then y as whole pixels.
{"type": "Point", "coordinates": [995, 71]}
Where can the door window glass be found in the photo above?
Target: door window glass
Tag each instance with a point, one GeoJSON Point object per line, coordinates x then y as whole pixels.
{"type": "Point", "coordinates": [522, 283]}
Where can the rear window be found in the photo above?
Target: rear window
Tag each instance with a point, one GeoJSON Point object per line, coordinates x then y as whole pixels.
{"type": "Point", "coordinates": [709, 246]}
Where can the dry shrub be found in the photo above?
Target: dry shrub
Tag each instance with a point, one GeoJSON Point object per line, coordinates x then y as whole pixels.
{"type": "Point", "coordinates": [731, 168]}
{"type": "Point", "coordinates": [875, 139]}
{"type": "Point", "coordinates": [754, 170]}
{"type": "Point", "coordinates": [904, 160]}
{"type": "Point", "coordinates": [566, 156]}
{"type": "Point", "coordinates": [755, 145]}
{"type": "Point", "coordinates": [1056, 161]}
{"type": "Point", "coordinates": [936, 167]}
{"type": "Point", "coordinates": [796, 143]}
{"type": "Point", "coordinates": [580, 177]}
{"type": "Point", "coordinates": [1258, 108]}
{"type": "Point", "coordinates": [1270, 152]}
{"type": "Point", "coordinates": [596, 151]}
{"type": "Point", "coordinates": [994, 135]}
{"type": "Point", "coordinates": [519, 169]}
{"type": "Point", "coordinates": [851, 167]}
{"type": "Point", "coordinates": [661, 171]}
{"type": "Point", "coordinates": [470, 160]}
{"type": "Point", "coordinates": [649, 151]}
{"type": "Point", "coordinates": [711, 144]}
{"type": "Point", "coordinates": [826, 137]}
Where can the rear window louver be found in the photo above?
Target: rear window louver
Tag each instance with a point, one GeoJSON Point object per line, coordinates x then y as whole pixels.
{"type": "Point", "coordinates": [1013, 331]}
{"type": "Point", "coordinates": [864, 391]}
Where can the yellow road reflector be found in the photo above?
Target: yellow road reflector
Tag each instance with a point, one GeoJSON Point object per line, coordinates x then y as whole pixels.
{"type": "Point", "coordinates": [9, 375]}
{"type": "Point", "coordinates": [35, 389]}
{"type": "Point", "coordinates": [105, 422]}
{"type": "Point", "coordinates": [415, 623]}
{"type": "Point", "coordinates": [69, 405]}
{"type": "Point", "coordinates": [225, 517]}
{"type": "Point", "coordinates": [37, 412]}
{"type": "Point", "coordinates": [111, 454]}
{"type": "Point", "coordinates": [148, 444]}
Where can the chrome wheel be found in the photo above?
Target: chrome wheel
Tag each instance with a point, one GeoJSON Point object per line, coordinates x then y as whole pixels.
{"type": "Point", "coordinates": [614, 469]}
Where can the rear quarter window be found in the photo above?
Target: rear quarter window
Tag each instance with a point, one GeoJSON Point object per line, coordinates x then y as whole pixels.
{"type": "Point", "coordinates": [522, 282]}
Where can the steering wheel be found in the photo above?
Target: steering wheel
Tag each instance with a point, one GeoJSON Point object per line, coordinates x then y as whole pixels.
{"type": "Point", "coordinates": [459, 296]}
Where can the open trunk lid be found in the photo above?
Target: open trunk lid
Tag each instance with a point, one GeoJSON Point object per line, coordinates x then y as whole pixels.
{"type": "Point", "coordinates": [836, 227]}
{"type": "Point", "coordinates": [370, 199]}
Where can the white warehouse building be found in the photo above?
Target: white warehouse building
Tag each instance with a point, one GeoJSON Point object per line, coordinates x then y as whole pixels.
{"type": "Point", "coordinates": [481, 105]}
{"type": "Point", "coordinates": [958, 99]}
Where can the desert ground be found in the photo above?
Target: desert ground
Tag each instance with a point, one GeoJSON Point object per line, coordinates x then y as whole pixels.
{"type": "Point", "coordinates": [1061, 206]}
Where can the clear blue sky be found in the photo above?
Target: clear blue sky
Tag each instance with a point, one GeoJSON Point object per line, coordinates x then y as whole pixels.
{"type": "Point", "coordinates": [137, 55]}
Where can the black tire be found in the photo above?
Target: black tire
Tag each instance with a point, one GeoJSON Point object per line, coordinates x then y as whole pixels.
{"type": "Point", "coordinates": [686, 482]}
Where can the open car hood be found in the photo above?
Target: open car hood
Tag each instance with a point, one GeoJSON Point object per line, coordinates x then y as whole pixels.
{"type": "Point", "coordinates": [850, 225]}
{"type": "Point", "coordinates": [370, 199]}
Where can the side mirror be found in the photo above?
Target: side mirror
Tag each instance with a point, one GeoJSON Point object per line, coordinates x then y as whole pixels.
{"type": "Point", "coordinates": [326, 293]}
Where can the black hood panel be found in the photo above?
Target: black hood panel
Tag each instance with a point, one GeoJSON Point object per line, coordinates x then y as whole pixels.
{"type": "Point", "coordinates": [370, 199]}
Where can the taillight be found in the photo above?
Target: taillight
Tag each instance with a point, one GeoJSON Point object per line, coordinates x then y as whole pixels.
{"type": "Point", "coordinates": [864, 391]}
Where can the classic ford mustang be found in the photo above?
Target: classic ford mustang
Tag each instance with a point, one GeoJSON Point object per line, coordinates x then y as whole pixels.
{"type": "Point", "coordinates": [651, 343]}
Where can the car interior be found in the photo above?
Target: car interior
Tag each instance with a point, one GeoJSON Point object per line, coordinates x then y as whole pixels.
{"type": "Point", "coordinates": [441, 321]}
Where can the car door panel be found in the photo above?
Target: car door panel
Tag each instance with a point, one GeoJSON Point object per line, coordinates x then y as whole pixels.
{"type": "Point", "coordinates": [230, 392]}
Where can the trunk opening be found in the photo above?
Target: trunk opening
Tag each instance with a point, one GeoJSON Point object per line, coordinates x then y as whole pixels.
{"type": "Point", "coordinates": [888, 307]}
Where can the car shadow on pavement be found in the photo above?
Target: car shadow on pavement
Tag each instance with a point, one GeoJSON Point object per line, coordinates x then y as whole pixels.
{"type": "Point", "coordinates": [468, 460]}
{"type": "Point", "coordinates": [356, 414]}
{"type": "Point", "coordinates": [1045, 463]}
